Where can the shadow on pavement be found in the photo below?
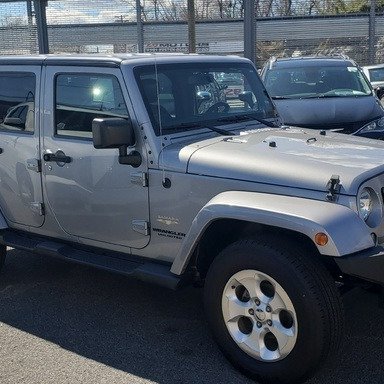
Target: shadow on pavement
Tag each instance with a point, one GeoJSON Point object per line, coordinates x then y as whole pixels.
{"type": "Point", "coordinates": [151, 332]}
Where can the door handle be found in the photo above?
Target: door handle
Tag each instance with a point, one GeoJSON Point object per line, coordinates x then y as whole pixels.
{"type": "Point", "coordinates": [58, 157]}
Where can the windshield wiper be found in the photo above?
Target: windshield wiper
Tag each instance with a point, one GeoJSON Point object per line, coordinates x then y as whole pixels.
{"type": "Point", "coordinates": [322, 96]}
{"type": "Point", "coordinates": [239, 118]}
{"type": "Point", "coordinates": [202, 126]}
{"type": "Point", "coordinates": [218, 130]}
{"type": "Point", "coordinates": [281, 97]}
{"type": "Point", "coordinates": [332, 95]}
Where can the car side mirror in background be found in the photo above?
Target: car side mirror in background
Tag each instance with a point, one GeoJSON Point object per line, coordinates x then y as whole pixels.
{"type": "Point", "coordinates": [116, 133]}
{"type": "Point", "coordinates": [247, 97]}
{"type": "Point", "coordinates": [204, 95]}
{"type": "Point", "coordinates": [379, 92]}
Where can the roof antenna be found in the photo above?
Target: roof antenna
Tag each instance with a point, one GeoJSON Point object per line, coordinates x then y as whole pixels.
{"type": "Point", "coordinates": [160, 122]}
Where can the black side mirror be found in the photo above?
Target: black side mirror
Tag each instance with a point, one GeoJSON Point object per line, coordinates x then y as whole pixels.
{"type": "Point", "coordinates": [379, 92]}
{"type": "Point", "coordinates": [114, 132]}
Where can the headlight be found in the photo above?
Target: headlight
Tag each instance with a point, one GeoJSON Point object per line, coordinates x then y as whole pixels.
{"type": "Point", "coordinates": [370, 207]}
{"type": "Point", "coordinates": [373, 126]}
{"type": "Point", "coordinates": [365, 203]}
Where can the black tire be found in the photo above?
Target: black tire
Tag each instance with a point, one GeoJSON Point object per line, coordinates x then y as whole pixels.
{"type": "Point", "coordinates": [311, 291]}
{"type": "Point", "coordinates": [3, 253]}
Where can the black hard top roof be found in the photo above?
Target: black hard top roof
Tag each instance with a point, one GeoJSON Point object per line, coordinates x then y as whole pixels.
{"type": "Point", "coordinates": [114, 60]}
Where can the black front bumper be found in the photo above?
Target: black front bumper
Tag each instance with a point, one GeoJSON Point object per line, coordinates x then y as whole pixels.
{"type": "Point", "coordinates": [367, 264]}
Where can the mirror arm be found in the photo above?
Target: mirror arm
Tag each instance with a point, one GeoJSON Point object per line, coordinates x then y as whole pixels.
{"type": "Point", "coordinates": [133, 158]}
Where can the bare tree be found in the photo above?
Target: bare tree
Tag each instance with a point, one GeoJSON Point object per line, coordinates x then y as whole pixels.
{"type": "Point", "coordinates": [230, 8]}
{"type": "Point", "coordinates": [172, 10]}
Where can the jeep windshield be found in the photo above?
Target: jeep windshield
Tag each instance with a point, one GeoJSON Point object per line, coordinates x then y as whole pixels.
{"type": "Point", "coordinates": [316, 82]}
{"type": "Point", "coordinates": [190, 96]}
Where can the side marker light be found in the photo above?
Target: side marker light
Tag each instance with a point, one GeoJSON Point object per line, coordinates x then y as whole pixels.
{"type": "Point", "coordinates": [321, 239]}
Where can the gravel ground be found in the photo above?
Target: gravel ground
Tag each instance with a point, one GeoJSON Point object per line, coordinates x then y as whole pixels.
{"type": "Point", "coordinates": [65, 323]}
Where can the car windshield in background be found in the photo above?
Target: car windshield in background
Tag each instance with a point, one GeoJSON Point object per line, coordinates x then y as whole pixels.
{"type": "Point", "coordinates": [312, 82]}
{"type": "Point", "coordinates": [181, 97]}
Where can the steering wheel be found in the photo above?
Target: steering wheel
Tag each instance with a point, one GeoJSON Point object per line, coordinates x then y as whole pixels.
{"type": "Point", "coordinates": [219, 107]}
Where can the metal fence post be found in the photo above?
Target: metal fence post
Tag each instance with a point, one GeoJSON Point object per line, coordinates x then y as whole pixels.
{"type": "Point", "coordinates": [372, 33]}
{"type": "Point", "coordinates": [41, 21]}
{"type": "Point", "coordinates": [32, 44]}
{"type": "Point", "coordinates": [250, 30]}
{"type": "Point", "coordinates": [140, 29]}
{"type": "Point", "coordinates": [191, 27]}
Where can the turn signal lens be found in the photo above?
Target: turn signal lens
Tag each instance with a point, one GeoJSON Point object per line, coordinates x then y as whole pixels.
{"type": "Point", "coordinates": [321, 239]}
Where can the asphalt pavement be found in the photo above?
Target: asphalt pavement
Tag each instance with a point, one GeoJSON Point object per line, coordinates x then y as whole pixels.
{"type": "Point", "coordinates": [65, 323]}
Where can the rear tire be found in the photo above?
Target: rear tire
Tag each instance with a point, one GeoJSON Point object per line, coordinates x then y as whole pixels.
{"type": "Point", "coordinates": [275, 313]}
{"type": "Point", "coordinates": [3, 253]}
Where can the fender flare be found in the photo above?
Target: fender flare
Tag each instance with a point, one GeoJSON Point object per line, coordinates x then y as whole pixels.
{"type": "Point", "coordinates": [347, 233]}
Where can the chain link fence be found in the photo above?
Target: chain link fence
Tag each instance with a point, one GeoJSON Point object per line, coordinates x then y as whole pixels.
{"type": "Point", "coordinates": [280, 27]}
{"type": "Point", "coordinates": [18, 32]}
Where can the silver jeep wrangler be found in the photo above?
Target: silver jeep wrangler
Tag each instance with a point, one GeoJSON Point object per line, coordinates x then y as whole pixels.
{"type": "Point", "coordinates": [159, 167]}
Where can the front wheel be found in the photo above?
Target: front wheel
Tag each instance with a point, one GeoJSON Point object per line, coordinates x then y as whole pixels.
{"type": "Point", "coordinates": [275, 313]}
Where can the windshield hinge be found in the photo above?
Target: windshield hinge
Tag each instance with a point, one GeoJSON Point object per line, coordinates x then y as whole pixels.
{"type": "Point", "coordinates": [333, 187]}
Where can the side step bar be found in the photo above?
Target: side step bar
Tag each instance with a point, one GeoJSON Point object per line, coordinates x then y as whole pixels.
{"type": "Point", "coordinates": [154, 273]}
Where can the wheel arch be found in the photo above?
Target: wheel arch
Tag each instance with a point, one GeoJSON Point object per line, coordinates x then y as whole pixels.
{"type": "Point", "coordinates": [207, 250]}
{"type": "Point", "coordinates": [231, 215]}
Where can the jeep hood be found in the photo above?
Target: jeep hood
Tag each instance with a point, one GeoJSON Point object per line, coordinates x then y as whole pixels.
{"type": "Point", "coordinates": [286, 157]}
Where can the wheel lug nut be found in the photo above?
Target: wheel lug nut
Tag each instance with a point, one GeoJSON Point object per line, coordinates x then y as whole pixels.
{"type": "Point", "coordinates": [268, 309]}
{"type": "Point", "coordinates": [269, 322]}
{"type": "Point", "coordinates": [251, 311]}
{"type": "Point", "coordinates": [257, 301]}
{"type": "Point", "coordinates": [258, 324]}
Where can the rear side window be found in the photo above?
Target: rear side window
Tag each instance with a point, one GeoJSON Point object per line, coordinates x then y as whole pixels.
{"type": "Point", "coordinates": [17, 101]}
{"type": "Point", "coordinates": [376, 74]}
{"type": "Point", "coordinates": [80, 98]}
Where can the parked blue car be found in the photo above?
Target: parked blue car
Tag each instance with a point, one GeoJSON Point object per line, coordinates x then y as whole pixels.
{"type": "Point", "coordinates": [325, 93]}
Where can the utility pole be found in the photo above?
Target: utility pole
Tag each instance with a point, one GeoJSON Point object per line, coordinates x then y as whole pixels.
{"type": "Point", "coordinates": [191, 27]}
{"type": "Point", "coordinates": [372, 33]}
